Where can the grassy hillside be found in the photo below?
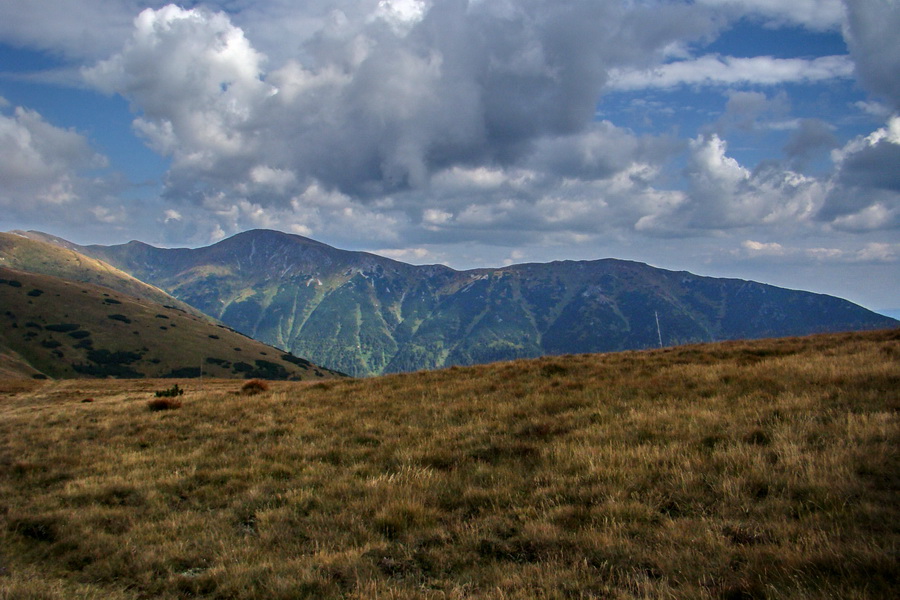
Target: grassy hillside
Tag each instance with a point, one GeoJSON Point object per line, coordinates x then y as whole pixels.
{"type": "Point", "coordinates": [52, 327]}
{"type": "Point", "coordinates": [50, 258]}
{"type": "Point", "coordinates": [761, 469]}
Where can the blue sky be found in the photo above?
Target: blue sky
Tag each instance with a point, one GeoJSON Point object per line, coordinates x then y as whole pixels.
{"type": "Point", "coordinates": [743, 138]}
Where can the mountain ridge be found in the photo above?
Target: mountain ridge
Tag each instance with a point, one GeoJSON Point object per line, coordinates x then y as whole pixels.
{"type": "Point", "coordinates": [365, 314]}
{"type": "Point", "coordinates": [50, 255]}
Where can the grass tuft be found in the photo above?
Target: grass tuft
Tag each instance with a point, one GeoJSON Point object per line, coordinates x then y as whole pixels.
{"type": "Point", "coordinates": [157, 404]}
{"type": "Point", "coordinates": [255, 386]}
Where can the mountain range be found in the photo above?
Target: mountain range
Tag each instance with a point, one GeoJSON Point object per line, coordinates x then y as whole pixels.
{"type": "Point", "coordinates": [364, 314]}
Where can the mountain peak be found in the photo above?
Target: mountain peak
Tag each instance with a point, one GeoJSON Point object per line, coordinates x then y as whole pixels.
{"type": "Point", "coordinates": [270, 235]}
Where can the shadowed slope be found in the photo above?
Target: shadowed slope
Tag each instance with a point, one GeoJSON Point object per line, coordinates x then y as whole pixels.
{"type": "Point", "coordinates": [60, 328]}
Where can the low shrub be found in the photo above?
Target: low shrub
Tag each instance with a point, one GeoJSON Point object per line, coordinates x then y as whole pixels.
{"type": "Point", "coordinates": [255, 386]}
{"type": "Point", "coordinates": [63, 327]}
{"type": "Point", "coordinates": [172, 392]}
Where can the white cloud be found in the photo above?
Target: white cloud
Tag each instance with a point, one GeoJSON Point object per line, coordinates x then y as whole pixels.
{"type": "Point", "coordinates": [400, 14]}
{"type": "Point", "coordinates": [762, 248]}
{"type": "Point", "coordinates": [467, 129]}
{"type": "Point", "coordinates": [434, 216]}
{"type": "Point", "coordinates": [41, 164]}
{"type": "Point", "coordinates": [171, 215]}
{"type": "Point", "coordinates": [409, 255]}
{"type": "Point", "coordinates": [876, 109]}
{"type": "Point", "coordinates": [514, 257]}
{"type": "Point", "coordinates": [723, 194]}
{"type": "Point", "coordinates": [472, 179]}
{"type": "Point", "coordinates": [864, 192]}
{"type": "Point", "coordinates": [300, 229]}
{"type": "Point", "coordinates": [890, 134]}
{"type": "Point", "coordinates": [716, 70]}
{"type": "Point", "coordinates": [815, 14]}
{"type": "Point", "coordinates": [217, 234]}
{"type": "Point", "coordinates": [109, 216]}
{"type": "Point", "coordinates": [195, 79]}
{"type": "Point", "coordinates": [453, 90]}
{"type": "Point", "coordinates": [872, 217]}
{"type": "Point", "coordinates": [873, 252]}
{"type": "Point", "coordinates": [278, 179]}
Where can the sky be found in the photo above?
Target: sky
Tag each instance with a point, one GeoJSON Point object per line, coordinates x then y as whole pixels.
{"type": "Point", "coordinates": [754, 139]}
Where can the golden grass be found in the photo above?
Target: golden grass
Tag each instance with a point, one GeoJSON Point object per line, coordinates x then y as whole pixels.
{"type": "Point", "coordinates": [743, 470]}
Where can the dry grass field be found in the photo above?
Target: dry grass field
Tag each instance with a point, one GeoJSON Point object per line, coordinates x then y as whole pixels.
{"type": "Point", "coordinates": [762, 469]}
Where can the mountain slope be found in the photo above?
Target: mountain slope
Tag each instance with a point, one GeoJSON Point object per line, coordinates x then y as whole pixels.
{"type": "Point", "coordinates": [364, 314]}
{"type": "Point", "coordinates": [51, 327]}
{"type": "Point", "coordinates": [49, 255]}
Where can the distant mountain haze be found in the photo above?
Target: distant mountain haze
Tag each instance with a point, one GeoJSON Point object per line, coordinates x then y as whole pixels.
{"type": "Point", "coordinates": [363, 314]}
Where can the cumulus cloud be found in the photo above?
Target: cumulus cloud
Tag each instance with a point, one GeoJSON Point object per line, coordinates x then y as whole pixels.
{"type": "Point", "coordinates": [722, 194]}
{"type": "Point", "coordinates": [195, 79]}
{"type": "Point", "coordinates": [865, 190]}
{"type": "Point", "coordinates": [599, 152]}
{"type": "Point", "coordinates": [52, 177]}
{"type": "Point", "coordinates": [41, 165]}
{"type": "Point", "coordinates": [379, 99]}
{"type": "Point", "coordinates": [472, 120]}
{"type": "Point", "coordinates": [871, 32]}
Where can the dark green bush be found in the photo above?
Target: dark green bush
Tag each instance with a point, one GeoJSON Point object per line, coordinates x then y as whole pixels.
{"type": "Point", "coordinates": [172, 392]}
{"type": "Point", "coordinates": [63, 327]}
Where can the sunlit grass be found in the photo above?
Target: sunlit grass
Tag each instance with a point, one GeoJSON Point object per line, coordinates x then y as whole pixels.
{"type": "Point", "coordinates": [744, 470]}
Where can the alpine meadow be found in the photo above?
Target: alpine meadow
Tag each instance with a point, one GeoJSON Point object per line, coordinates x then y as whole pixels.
{"type": "Point", "coordinates": [764, 469]}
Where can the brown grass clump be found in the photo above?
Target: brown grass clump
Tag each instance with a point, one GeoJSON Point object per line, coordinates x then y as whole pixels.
{"type": "Point", "coordinates": [255, 386]}
{"type": "Point", "coordinates": [166, 403]}
{"type": "Point", "coordinates": [765, 469]}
